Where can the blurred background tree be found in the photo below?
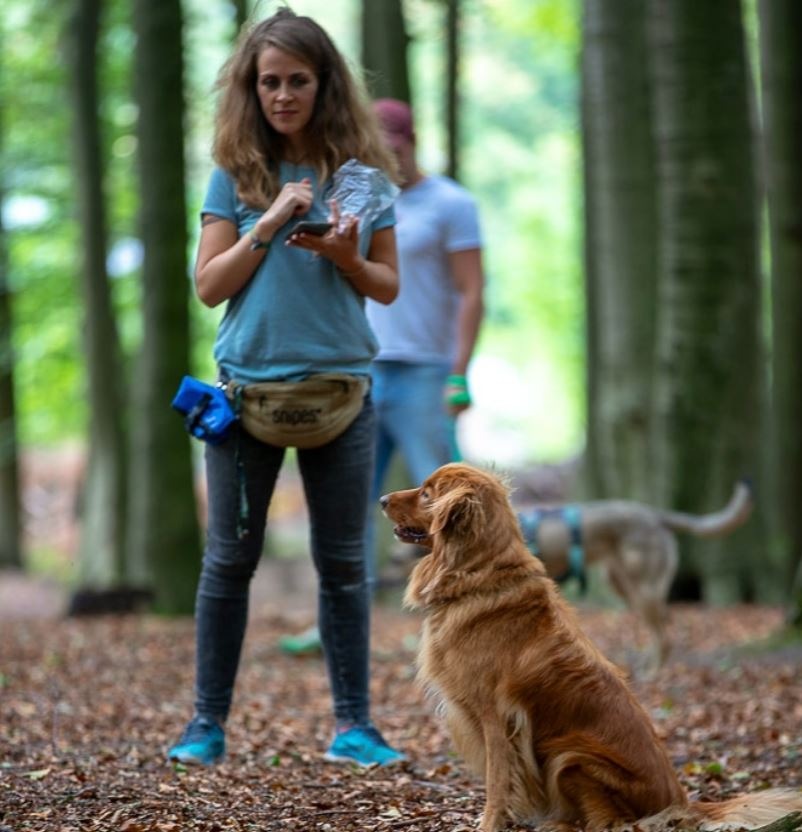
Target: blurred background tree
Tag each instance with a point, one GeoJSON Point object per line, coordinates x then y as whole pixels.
{"type": "Point", "coordinates": [164, 539]}
{"type": "Point", "coordinates": [10, 498]}
{"type": "Point", "coordinates": [101, 554]}
{"type": "Point", "coordinates": [781, 72]}
{"type": "Point", "coordinates": [620, 246]}
{"type": "Point", "coordinates": [384, 49]}
{"type": "Point", "coordinates": [710, 369]}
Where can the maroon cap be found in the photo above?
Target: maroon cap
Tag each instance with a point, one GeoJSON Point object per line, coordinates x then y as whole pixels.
{"type": "Point", "coordinates": [395, 117]}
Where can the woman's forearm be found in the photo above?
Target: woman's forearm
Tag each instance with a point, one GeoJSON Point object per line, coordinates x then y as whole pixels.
{"type": "Point", "coordinates": [377, 281]}
{"type": "Point", "coordinates": [227, 262]}
{"type": "Point", "coordinates": [222, 276]}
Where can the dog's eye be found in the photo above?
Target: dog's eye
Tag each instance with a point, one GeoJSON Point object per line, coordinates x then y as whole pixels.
{"type": "Point", "coordinates": [424, 494]}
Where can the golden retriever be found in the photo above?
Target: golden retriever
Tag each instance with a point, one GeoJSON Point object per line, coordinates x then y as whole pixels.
{"type": "Point", "coordinates": [530, 702]}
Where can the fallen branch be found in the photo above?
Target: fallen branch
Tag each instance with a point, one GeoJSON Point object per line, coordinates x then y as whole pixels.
{"type": "Point", "coordinates": [787, 823]}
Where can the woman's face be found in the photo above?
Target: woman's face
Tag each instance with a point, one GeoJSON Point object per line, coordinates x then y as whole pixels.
{"type": "Point", "coordinates": [287, 88]}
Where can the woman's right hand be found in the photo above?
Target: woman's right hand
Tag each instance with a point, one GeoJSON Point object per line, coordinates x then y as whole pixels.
{"type": "Point", "coordinates": [294, 200]}
{"type": "Point", "coordinates": [226, 261]}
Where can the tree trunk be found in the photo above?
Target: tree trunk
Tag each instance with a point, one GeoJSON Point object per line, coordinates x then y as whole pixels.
{"type": "Point", "coordinates": [781, 62]}
{"type": "Point", "coordinates": [240, 14]}
{"type": "Point", "coordinates": [101, 562]}
{"type": "Point", "coordinates": [620, 250]}
{"type": "Point", "coordinates": [452, 87]}
{"type": "Point", "coordinates": [164, 534]}
{"type": "Point", "coordinates": [709, 368]}
{"type": "Point", "coordinates": [384, 49]}
{"type": "Point", "coordinates": [10, 508]}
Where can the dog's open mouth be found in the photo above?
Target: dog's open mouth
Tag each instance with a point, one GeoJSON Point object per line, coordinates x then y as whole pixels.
{"type": "Point", "coordinates": [407, 534]}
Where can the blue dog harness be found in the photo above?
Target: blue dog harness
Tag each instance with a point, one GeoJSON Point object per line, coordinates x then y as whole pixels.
{"type": "Point", "coordinates": [571, 516]}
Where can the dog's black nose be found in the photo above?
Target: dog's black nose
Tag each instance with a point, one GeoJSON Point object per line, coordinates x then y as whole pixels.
{"type": "Point", "coordinates": [384, 500]}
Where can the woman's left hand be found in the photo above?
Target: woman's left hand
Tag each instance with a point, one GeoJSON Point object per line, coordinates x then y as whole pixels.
{"type": "Point", "coordinates": [340, 244]}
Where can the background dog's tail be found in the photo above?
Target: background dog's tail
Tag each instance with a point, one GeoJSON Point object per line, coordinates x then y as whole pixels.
{"type": "Point", "coordinates": [734, 514]}
{"type": "Point", "coordinates": [749, 811]}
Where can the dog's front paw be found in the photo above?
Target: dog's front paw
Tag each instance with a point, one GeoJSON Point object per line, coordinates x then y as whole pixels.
{"type": "Point", "coordinates": [491, 821]}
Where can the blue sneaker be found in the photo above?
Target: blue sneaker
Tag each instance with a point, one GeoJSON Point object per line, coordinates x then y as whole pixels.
{"type": "Point", "coordinates": [364, 745]}
{"type": "Point", "coordinates": [203, 743]}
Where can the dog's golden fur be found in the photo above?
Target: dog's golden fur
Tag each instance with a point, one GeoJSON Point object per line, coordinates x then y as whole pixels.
{"type": "Point", "coordinates": [530, 702]}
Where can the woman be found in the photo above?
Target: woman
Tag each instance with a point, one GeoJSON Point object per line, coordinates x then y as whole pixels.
{"type": "Point", "coordinates": [289, 115]}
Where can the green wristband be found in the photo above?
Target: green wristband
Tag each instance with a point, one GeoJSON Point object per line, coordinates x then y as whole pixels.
{"type": "Point", "coordinates": [457, 394]}
{"type": "Point", "coordinates": [459, 397]}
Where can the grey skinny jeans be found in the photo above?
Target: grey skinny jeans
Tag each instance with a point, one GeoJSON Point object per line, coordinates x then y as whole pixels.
{"type": "Point", "coordinates": [336, 480]}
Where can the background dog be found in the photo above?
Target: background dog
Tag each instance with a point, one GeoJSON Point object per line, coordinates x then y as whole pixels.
{"type": "Point", "coordinates": [633, 543]}
{"type": "Point", "coordinates": [530, 702]}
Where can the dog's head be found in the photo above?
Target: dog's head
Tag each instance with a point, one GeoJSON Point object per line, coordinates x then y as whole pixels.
{"type": "Point", "coordinates": [464, 516]}
{"type": "Point", "coordinates": [456, 504]}
{"type": "Point", "coordinates": [449, 504]}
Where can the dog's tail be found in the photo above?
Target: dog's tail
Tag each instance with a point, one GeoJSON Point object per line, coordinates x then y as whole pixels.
{"type": "Point", "coordinates": [734, 514]}
{"type": "Point", "coordinates": [749, 811]}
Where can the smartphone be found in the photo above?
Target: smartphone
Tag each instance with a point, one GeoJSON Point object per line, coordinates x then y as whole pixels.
{"type": "Point", "coordinates": [307, 227]}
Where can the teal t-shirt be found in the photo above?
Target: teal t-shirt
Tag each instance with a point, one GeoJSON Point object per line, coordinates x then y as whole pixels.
{"type": "Point", "coordinates": [297, 315]}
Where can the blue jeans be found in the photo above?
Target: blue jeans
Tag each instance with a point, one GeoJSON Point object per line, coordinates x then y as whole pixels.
{"type": "Point", "coordinates": [411, 418]}
{"type": "Point", "coordinates": [336, 480]}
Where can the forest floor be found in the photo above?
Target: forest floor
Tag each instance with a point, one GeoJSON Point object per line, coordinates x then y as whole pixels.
{"type": "Point", "coordinates": [89, 706]}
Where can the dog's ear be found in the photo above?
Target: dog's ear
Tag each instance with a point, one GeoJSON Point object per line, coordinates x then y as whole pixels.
{"type": "Point", "coordinates": [457, 513]}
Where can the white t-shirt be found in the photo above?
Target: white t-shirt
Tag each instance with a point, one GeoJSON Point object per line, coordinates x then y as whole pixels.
{"type": "Point", "coordinates": [434, 218]}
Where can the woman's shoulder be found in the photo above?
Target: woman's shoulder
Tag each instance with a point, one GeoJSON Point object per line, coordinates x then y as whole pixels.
{"type": "Point", "coordinates": [221, 178]}
{"type": "Point", "coordinates": [447, 188]}
{"type": "Point", "coordinates": [452, 203]}
{"type": "Point", "coordinates": [221, 194]}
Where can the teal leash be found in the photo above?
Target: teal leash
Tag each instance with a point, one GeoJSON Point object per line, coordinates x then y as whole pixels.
{"type": "Point", "coordinates": [243, 515]}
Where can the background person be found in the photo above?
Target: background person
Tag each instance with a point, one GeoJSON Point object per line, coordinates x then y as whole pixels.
{"type": "Point", "coordinates": [428, 334]}
{"type": "Point", "coordinates": [289, 115]}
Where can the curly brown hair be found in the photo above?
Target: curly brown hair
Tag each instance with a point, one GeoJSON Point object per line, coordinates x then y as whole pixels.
{"type": "Point", "coordinates": [342, 125]}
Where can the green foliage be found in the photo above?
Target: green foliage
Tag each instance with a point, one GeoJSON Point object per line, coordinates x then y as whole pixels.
{"type": "Point", "coordinates": [45, 255]}
{"type": "Point", "coordinates": [520, 158]}
{"type": "Point", "coordinates": [547, 23]}
{"type": "Point", "coordinates": [47, 335]}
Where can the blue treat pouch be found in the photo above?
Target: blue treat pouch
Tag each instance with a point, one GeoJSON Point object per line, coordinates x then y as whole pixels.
{"type": "Point", "coordinates": [208, 414]}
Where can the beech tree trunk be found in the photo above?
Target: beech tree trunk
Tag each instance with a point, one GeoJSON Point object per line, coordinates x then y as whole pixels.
{"type": "Point", "coordinates": [384, 49]}
{"type": "Point", "coordinates": [709, 372]}
{"type": "Point", "coordinates": [10, 502]}
{"type": "Point", "coordinates": [240, 14]}
{"type": "Point", "coordinates": [620, 247]}
{"type": "Point", "coordinates": [781, 63]}
{"type": "Point", "coordinates": [164, 535]}
{"type": "Point", "coordinates": [101, 562]}
{"type": "Point", "coordinates": [452, 87]}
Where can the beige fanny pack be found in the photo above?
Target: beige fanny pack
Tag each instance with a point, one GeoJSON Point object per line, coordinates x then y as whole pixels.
{"type": "Point", "coordinates": [299, 414]}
